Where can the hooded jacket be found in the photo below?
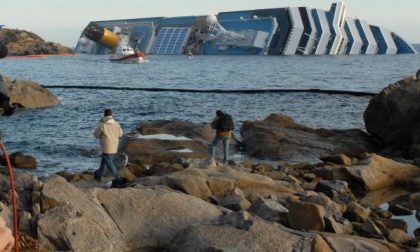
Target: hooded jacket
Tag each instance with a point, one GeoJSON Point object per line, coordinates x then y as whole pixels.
{"type": "Point", "coordinates": [109, 133]}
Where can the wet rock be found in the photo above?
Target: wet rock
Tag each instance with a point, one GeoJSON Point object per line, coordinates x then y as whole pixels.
{"type": "Point", "coordinates": [29, 94]}
{"type": "Point", "coordinates": [398, 236]}
{"type": "Point", "coordinates": [21, 42]}
{"type": "Point", "coordinates": [269, 210]}
{"type": "Point", "coordinates": [340, 159]}
{"type": "Point", "coordinates": [414, 200]}
{"type": "Point", "coordinates": [392, 115]}
{"type": "Point", "coordinates": [298, 216]}
{"type": "Point", "coordinates": [149, 151]}
{"type": "Point", "coordinates": [399, 210]}
{"type": "Point", "coordinates": [20, 160]}
{"type": "Point", "coordinates": [356, 213]}
{"type": "Point", "coordinates": [278, 137]}
{"type": "Point", "coordinates": [417, 233]}
{"type": "Point", "coordinates": [368, 229]}
{"type": "Point", "coordinates": [376, 172]}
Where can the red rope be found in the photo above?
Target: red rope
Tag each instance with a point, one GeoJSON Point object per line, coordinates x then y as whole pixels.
{"type": "Point", "coordinates": [12, 192]}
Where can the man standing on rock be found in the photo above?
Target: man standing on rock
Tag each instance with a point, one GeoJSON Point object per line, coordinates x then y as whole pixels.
{"type": "Point", "coordinates": [109, 133]}
{"type": "Point", "coordinates": [223, 124]}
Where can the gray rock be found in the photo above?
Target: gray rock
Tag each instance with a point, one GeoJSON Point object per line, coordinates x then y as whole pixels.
{"type": "Point", "coordinates": [269, 210]}
{"type": "Point", "coordinates": [115, 219]}
{"type": "Point", "coordinates": [332, 209]}
{"type": "Point", "coordinates": [278, 137]}
{"type": "Point", "coordinates": [235, 203]}
{"type": "Point", "coordinates": [392, 117]}
{"type": "Point", "coordinates": [327, 186]}
{"type": "Point", "coordinates": [261, 236]}
{"type": "Point", "coordinates": [377, 172]}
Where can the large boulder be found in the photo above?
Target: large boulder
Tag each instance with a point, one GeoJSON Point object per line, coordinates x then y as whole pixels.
{"type": "Point", "coordinates": [392, 116]}
{"type": "Point", "coordinates": [169, 141]}
{"type": "Point", "coordinates": [20, 42]}
{"type": "Point", "coordinates": [131, 219]}
{"type": "Point", "coordinates": [278, 137]}
{"type": "Point", "coordinates": [29, 94]}
{"type": "Point", "coordinates": [376, 172]}
{"type": "Point", "coordinates": [258, 236]}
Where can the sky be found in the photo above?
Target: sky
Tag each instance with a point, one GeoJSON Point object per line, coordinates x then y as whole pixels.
{"type": "Point", "coordinates": [62, 21]}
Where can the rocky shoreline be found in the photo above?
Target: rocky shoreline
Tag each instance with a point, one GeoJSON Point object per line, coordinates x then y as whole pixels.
{"type": "Point", "coordinates": [24, 43]}
{"type": "Point", "coordinates": [322, 190]}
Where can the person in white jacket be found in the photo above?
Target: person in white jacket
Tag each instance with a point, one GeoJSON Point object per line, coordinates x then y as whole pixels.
{"type": "Point", "coordinates": [109, 133]}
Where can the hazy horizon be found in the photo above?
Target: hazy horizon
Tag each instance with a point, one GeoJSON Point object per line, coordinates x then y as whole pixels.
{"type": "Point", "coordinates": [63, 21]}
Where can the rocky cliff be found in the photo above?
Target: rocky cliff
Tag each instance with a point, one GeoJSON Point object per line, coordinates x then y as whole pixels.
{"type": "Point", "coordinates": [21, 43]}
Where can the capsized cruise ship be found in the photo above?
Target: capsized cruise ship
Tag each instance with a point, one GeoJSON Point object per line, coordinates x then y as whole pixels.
{"type": "Point", "coordinates": [277, 31]}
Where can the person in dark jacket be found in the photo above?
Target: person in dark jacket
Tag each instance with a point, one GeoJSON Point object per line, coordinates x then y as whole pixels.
{"type": "Point", "coordinates": [221, 135]}
{"type": "Point", "coordinates": [418, 75]}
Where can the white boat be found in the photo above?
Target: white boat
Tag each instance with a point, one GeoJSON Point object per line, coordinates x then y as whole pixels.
{"type": "Point", "coordinates": [127, 54]}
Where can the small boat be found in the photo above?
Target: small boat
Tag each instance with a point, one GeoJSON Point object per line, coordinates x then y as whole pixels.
{"type": "Point", "coordinates": [127, 54]}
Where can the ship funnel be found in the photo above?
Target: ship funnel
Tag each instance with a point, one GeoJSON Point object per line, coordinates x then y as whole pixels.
{"type": "Point", "coordinates": [102, 36]}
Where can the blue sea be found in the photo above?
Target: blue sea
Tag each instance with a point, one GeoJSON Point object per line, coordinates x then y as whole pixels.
{"type": "Point", "coordinates": [61, 138]}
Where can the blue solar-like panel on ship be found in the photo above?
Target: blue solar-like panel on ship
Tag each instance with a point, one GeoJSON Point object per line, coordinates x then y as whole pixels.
{"type": "Point", "coordinates": [170, 40]}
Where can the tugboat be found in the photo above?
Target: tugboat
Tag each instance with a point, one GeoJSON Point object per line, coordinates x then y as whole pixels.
{"type": "Point", "coordinates": [127, 54]}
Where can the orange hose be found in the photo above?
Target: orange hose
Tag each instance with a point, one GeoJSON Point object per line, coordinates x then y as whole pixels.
{"type": "Point", "coordinates": [12, 192]}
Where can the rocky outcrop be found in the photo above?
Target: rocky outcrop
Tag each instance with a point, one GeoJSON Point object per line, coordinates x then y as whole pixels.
{"type": "Point", "coordinates": [167, 141]}
{"type": "Point", "coordinates": [29, 94]}
{"type": "Point", "coordinates": [376, 172]}
{"type": "Point", "coordinates": [392, 116]}
{"type": "Point", "coordinates": [131, 219]}
{"type": "Point", "coordinates": [278, 137]}
{"type": "Point", "coordinates": [20, 43]}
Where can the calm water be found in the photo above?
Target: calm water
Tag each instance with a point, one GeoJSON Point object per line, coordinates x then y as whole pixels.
{"type": "Point", "coordinates": [61, 137]}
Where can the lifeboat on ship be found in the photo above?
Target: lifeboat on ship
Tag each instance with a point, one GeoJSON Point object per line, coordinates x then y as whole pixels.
{"type": "Point", "coordinates": [127, 54]}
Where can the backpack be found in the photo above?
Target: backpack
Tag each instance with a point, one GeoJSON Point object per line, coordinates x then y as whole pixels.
{"type": "Point", "coordinates": [225, 123]}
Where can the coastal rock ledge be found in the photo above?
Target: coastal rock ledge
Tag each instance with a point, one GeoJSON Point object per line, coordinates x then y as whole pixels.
{"type": "Point", "coordinates": [21, 43]}
{"type": "Point", "coordinates": [392, 116]}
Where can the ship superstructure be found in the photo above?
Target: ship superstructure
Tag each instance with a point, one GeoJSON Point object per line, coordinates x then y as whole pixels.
{"type": "Point", "coordinates": [277, 31]}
